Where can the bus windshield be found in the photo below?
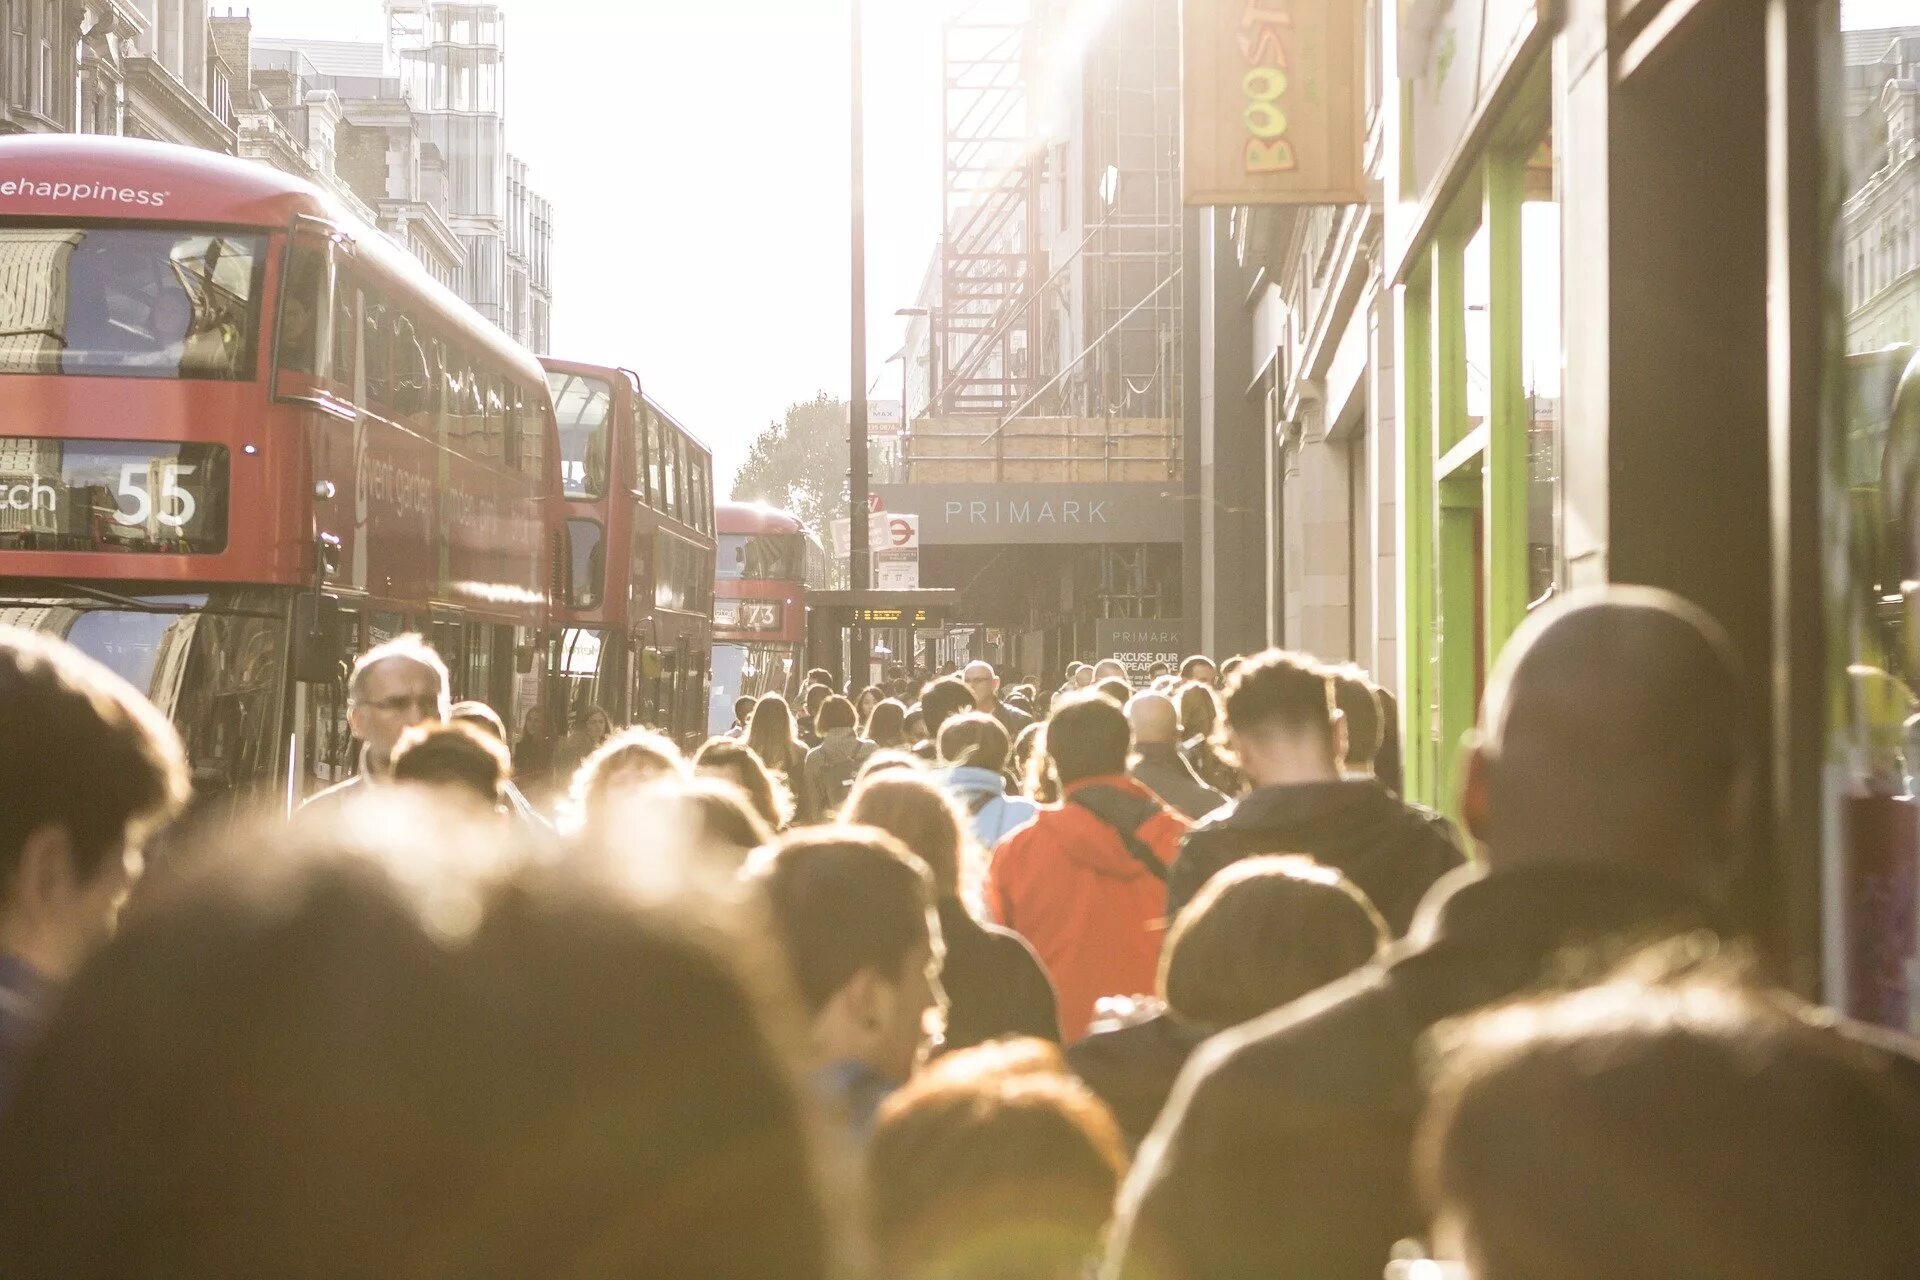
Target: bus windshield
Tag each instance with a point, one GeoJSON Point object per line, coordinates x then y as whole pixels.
{"type": "Point", "coordinates": [583, 405]}
{"type": "Point", "coordinates": [130, 302]}
{"type": "Point", "coordinates": [759, 556]}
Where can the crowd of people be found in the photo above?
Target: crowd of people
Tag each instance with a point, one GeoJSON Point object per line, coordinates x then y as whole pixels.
{"type": "Point", "coordinates": [957, 983]}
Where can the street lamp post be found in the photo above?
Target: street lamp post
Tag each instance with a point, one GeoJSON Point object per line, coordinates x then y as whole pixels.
{"type": "Point", "coordinates": [859, 556]}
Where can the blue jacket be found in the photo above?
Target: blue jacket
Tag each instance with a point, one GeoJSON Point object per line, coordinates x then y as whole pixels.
{"type": "Point", "coordinates": [983, 793]}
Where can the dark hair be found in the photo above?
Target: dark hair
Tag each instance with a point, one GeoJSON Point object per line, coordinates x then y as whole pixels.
{"type": "Point", "coordinates": [887, 724]}
{"type": "Point", "coordinates": [289, 1044]}
{"type": "Point", "coordinates": [1284, 691]}
{"type": "Point", "coordinates": [80, 749]}
{"type": "Point", "coordinates": [1114, 690]}
{"type": "Point", "coordinates": [1157, 669]}
{"type": "Point", "coordinates": [1692, 1128]}
{"type": "Point", "coordinates": [887, 759]}
{"type": "Point", "coordinates": [1199, 709]}
{"type": "Point", "coordinates": [1359, 703]}
{"type": "Point", "coordinates": [1262, 933]}
{"type": "Point", "coordinates": [742, 766]}
{"type": "Point", "coordinates": [983, 1168]}
{"type": "Point", "coordinates": [630, 757]}
{"type": "Point", "coordinates": [1031, 763]}
{"type": "Point", "coordinates": [770, 733]}
{"type": "Point", "coordinates": [820, 676]}
{"type": "Point", "coordinates": [874, 689]}
{"type": "Point", "coordinates": [474, 711]}
{"type": "Point", "coordinates": [845, 900]}
{"type": "Point", "coordinates": [813, 695]}
{"type": "Point", "coordinates": [454, 754]}
{"type": "Point", "coordinates": [1193, 661]}
{"type": "Point", "coordinates": [909, 807]}
{"type": "Point", "coordinates": [1076, 666]}
{"type": "Point", "coordinates": [1087, 737]}
{"type": "Point", "coordinates": [743, 707]}
{"type": "Point", "coordinates": [942, 700]}
{"type": "Point", "coordinates": [975, 739]}
{"type": "Point", "coordinates": [835, 713]}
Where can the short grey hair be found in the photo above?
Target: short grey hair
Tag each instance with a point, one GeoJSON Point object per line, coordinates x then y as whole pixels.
{"type": "Point", "coordinates": [413, 648]}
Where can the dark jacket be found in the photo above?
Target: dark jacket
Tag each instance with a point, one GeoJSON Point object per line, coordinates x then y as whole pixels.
{"type": "Point", "coordinates": [829, 769]}
{"type": "Point", "coordinates": [1011, 718]}
{"type": "Point", "coordinates": [1164, 771]}
{"type": "Point", "coordinates": [1286, 1152]}
{"type": "Point", "coordinates": [24, 995]}
{"type": "Point", "coordinates": [1392, 851]}
{"type": "Point", "coordinates": [1133, 1067]}
{"type": "Point", "coordinates": [994, 983]}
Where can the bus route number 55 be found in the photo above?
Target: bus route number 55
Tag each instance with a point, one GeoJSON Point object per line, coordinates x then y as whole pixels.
{"type": "Point", "coordinates": [176, 504]}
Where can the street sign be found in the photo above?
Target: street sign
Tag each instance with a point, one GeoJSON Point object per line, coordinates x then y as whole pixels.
{"type": "Point", "coordinates": [879, 536]}
{"type": "Point", "coordinates": [903, 533]}
{"type": "Point", "coordinates": [897, 570]}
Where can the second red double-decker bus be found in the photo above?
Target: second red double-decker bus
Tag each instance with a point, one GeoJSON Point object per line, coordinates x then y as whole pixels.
{"type": "Point", "coordinates": [635, 534]}
{"type": "Point", "coordinates": [243, 435]}
{"type": "Point", "coordinates": [764, 565]}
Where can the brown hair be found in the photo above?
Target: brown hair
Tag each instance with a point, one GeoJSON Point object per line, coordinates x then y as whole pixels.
{"type": "Point", "coordinates": [910, 808]}
{"type": "Point", "coordinates": [1281, 690]}
{"type": "Point", "coordinates": [1359, 704]}
{"type": "Point", "coordinates": [1034, 767]}
{"type": "Point", "coordinates": [887, 724]}
{"type": "Point", "coordinates": [993, 1163]}
{"type": "Point", "coordinates": [1114, 690]}
{"type": "Point", "coordinates": [1199, 709]}
{"type": "Point", "coordinates": [975, 739]}
{"type": "Point", "coordinates": [80, 749]}
{"type": "Point", "coordinates": [629, 758]}
{"type": "Point", "coordinates": [1262, 933]}
{"type": "Point", "coordinates": [1087, 737]}
{"type": "Point", "coordinates": [726, 814]}
{"type": "Point", "coordinates": [454, 754]}
{"type": "Point", "coordinates": [835, 713]}
{"type": "Point", "coordinates": [734, 761]}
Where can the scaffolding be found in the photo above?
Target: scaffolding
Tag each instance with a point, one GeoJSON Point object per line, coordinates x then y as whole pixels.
{"type": "Point", "coordinates": [983, 328]}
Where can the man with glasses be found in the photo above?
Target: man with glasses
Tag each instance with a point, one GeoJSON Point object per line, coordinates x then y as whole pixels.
{"type": "Point", "coordinates": [394, 686]}
{"type": "Point", "coordinates": [984, 684]}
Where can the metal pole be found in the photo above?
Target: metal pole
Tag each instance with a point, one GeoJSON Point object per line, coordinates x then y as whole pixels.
{"type": "Point", "coordinates": [859, 556]}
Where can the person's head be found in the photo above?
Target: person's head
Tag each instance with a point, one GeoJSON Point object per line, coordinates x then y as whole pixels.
{"type": "Point", "coordinates": [1694, 1127]}
{"type": "Point", "coordinates": [1157, 669]}
{"type": "Point", "coordinates": [625, 763]}
{"type": "Point", "coordinates": [1358, 701]}
{"type": "Point", "coordinates": [1199, 667]}
{"type": "Point", "coordinates": [480, 716]}
{"type": "Point", "coordinates": [457, 756]}
{"type": "Point", "coordinates": [1614, 729]}
{"type": "Point", "coordinates": [1087, 737]}
{"type": "Point", "coordinates": [1262, 933]}
{"type": "Point", "coordinates": [1031, 765]}
{"type": "Point", "coordinates": [724, 820]}
{"type": "Point", "coordinates": [1228, 667]}
{"type": "Point", "coordinates": [1110, 669]}
{"type": "Point", "coordinates": [770, 730]}
{"type": "Point", "coordinates": [1281, 724]}
{"type": "Point", "coordinates": [886, 724]}
{"type": "Point", "coordinates": [1079, 675]}
{"type": "Point", "coordinates": [910, 807]}
{"type": "Point", "coordinates": [815, 695]}
{"type": "Point", "coordinates": [913, 726]}
{"type": "Point", "coordinates": [393, 687]}
{"type": "Point", "coordinates": [820, 676]}
{"type": "Point", "coordinates": [975, 739]}
{"type": "Point", "coordinates": [888, 759]}
{"type": "Point", "coordinates": [993, 1164]}
{"type": "Point", "coordinates": [398, 1022]}
{"type": "Point", "coordinates": [942, 700]}
{"type": "Point", "coordinates": [854, 910]}
{"type": "Point", "coordinates": [1199, 709]}
{"type": "Point", "coordinates": [1155, 721]}
{"type": "Point", "coordinates": [742, 708]}
{"type": "Point", "coordinates": [1114, 690]}
{"type": "Point", "coordinates": [595, 725]}
{"type": "Point", "coordinates": [89, 769]}
{"type": "Point", "coordinates": [733, 761]}
{"type": "Point", "coordinates": [834, 712]}
{"type": "Point", "coordinates": [535, 724]}
{"type": "Point", "coordinates": [869, 698]}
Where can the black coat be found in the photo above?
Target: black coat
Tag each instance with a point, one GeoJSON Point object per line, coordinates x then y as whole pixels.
{"type": "Point", "coordinates": [1391, 850]}
{"type": "Point", "coordinates": [1133, 1068]}
{"type": "Point", "coordinates": [1286, 1152]}
{"type": "Point", "coordinates": [994, 983]}
{"type": "Point", "coordinates": [1161, 769]}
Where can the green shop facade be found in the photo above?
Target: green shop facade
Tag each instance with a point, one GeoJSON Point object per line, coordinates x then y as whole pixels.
{"type": "Point", "coordinates": [1616, 244]}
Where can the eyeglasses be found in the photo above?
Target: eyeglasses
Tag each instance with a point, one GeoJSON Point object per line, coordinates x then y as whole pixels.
{"type": "Point", "coordinates": [427, 702]}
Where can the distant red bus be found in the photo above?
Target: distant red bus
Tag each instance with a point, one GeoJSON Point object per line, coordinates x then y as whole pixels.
{"type": "Point", "coordinates": [243, 435]}
{"type": "Point", "coordinates": [634, 623]}
{"type": "Point", "coordinates": [766, 562]}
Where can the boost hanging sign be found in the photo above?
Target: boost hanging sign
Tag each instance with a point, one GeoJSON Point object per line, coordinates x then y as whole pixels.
{"type": "Point", "coordinates": [1274, 107]}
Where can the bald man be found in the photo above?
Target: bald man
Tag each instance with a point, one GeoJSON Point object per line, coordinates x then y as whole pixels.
{"type": "Point", "coordinates": [1605, 791]}
{"type": "Point", "coordinates": [1157, 763]}
{"type": "Point", "coordinates": [983, 682]}
{"type": "Point", "coordinates": [1111, 669]}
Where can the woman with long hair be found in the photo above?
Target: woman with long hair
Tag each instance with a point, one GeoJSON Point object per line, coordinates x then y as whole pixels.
{"type": "Point", "coordinates": [1199, 714]}
{"type": "Point", "coordinates": [870, 697]}
{"type": "Point", "coordinates": [1031, 768]}
{"type": "Point", "coordinates": [885, 725]}
{"type": "Point", "coordinates": [733, 761]}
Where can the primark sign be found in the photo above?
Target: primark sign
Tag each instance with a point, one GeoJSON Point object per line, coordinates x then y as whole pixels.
{"type": "Point", "coordinates": [991, 514]}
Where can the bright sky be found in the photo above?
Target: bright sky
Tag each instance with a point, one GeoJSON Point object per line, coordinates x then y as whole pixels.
{"type": "Point", "coordinates": [696, 155]}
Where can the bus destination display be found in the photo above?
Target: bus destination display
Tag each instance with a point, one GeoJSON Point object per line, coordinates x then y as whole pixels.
{"type": "Point", "coordinates": [112, 495]}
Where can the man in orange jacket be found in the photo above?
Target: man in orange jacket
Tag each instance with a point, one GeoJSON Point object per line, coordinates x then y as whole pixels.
{"type": "Point", "coordinates": [1085, 882]}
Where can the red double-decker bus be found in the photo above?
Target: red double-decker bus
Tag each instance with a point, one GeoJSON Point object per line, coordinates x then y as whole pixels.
{"type": "Point", "coordinates": [243, 435]}
{"type": "Point", "coordinates": [765, 564]}
{"type": "Point", "coordinates": [635, 526]}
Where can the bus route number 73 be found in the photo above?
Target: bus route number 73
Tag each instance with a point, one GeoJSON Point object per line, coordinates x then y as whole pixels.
{"type": "Point", "coordinates": [177, 505]}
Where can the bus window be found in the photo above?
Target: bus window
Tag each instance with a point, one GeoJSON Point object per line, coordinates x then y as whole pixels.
{"type": "Point", "coordinates": [374, 322]}
{"type": "Point", "coordinates": [514, 407]}
{"type": "Point", "coordinates": [758, 557]}
{"type": "Point", "coordinates": [343, 337]}
{"type": "Point", "coordinates": [670, 488]}
{"type": "Point", "coordinates": [412, 390]}
{"type": "Point", "coordinates": [702, 495]}
{"type": "Point", "coordinates": [493, 438]}
{"type": "Point", "coordinates": [656, 490]}
{"type": "Point", "coordinates": [533, 435]}
{"type": "Point", "coordinates": [586, 563]}
{"type": "Point", "coordinates": [306, 294]}
{"type": "Point", "coordinates": [582, 406]}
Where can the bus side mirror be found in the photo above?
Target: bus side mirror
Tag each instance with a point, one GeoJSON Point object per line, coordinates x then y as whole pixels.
{"type": "Point", "coordinates": [319, 645]}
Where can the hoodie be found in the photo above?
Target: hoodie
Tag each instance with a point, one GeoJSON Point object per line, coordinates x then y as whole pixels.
{"type": "Point", "coordinates": [983, 794]}
{"type": "Point", "coordinates": [1391, 850]}
{"type": "Point", "coordinates": [1093, 912]}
